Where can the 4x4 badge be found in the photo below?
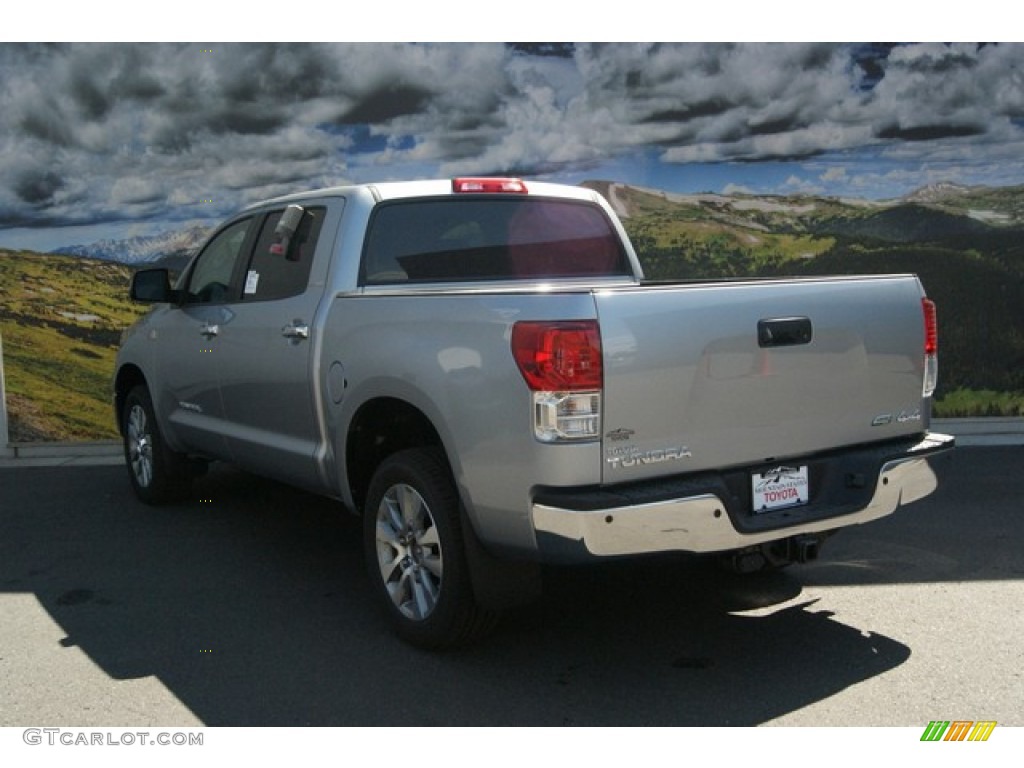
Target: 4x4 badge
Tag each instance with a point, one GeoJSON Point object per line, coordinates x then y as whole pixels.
{"type": "Point", "coordinates": [904, 416]}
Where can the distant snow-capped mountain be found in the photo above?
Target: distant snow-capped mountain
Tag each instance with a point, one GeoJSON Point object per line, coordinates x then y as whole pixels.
{"type": "Point", "coordinates": [143, 249]}
{"type": "Point", "coordinates": [937, 192]}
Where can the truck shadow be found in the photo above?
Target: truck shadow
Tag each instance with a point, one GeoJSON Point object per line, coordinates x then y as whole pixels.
{"type": "Point", "coordinates": [251, 605]}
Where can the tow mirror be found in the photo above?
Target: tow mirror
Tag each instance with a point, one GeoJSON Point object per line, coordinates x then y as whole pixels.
{"type": "Point", "coordinates": [285, 231]}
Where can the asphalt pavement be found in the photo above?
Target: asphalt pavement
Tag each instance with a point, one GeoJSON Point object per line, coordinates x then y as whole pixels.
{"type": "Point", "coordinates": [249, 605]}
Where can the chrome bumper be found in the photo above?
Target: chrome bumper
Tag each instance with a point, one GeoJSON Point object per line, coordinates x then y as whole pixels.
{"type": "Point", "coordinates": [700, 523]}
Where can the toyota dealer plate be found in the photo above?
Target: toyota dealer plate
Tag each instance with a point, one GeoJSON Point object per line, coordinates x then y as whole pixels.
{"type": "Point", "coordinates": [779, 488]}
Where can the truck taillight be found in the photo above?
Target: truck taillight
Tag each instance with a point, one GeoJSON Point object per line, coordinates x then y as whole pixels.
{"type": "Point", "coordinates": [488, 185]}
{"type": "Point", "coordinates": [563, 355]}
{"type": "Point", "coordinates": [931, 327]}
{"type": "Point", "coordinates": [561, 364]}
{"type": "Point", "coordinates": [931, 347]}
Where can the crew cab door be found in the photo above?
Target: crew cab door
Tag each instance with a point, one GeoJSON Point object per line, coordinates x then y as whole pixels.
{"type": "Point", "coordinates": [266, 355]}
{"type": "Point", "coordinates": [190, 342]}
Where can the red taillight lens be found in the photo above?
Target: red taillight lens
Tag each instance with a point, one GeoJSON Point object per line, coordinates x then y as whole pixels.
{"type": "Point", "coordinates": [467, 184]}
{"type": "Point", "coordinates": [931, 348]}
{"type": "Point", "coordinates": [931, 327]}
{"type": "Point", "coordinates": [560, 356]}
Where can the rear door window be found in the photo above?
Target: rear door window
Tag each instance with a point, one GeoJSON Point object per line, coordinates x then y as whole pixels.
{"type": "Point", "coordinates": [276, 273]}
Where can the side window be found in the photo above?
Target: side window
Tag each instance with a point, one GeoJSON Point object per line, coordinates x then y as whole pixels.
{"type": "Point", "coordinates": [276, 275]}
{"type": "Point", "coordinates": [210, 280]}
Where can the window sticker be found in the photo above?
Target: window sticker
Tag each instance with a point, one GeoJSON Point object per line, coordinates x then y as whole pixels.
{"type": "Point", "coordinates": [252, 279]}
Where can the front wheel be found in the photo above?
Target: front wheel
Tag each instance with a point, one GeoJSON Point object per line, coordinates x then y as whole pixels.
{"type": "Point", "coordinates": [157, 473]}
{"type": "Point", "coordinates": [416, 554]}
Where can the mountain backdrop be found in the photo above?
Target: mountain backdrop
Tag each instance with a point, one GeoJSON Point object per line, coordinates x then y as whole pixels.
{"type": "Point", "coordinates": [61, 314]}
{"type": "Point", "coordinates": [965, 243]}
{"type": "Point", "coordinates": [176, 245]}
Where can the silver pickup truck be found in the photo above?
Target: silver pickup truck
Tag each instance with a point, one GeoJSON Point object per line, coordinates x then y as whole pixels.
{"type": "Point", "coordinates": [478, 369]}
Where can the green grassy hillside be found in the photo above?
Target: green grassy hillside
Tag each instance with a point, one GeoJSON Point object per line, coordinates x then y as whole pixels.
{"type": "Point", "coordinates": [61, 319]}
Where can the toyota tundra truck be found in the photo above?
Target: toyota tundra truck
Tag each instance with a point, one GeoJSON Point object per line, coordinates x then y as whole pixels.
{"type": "Point", "coordinates": [478, 369]}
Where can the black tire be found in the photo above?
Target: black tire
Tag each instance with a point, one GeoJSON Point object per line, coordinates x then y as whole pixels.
{"type": "Point", "coordinates": [157, 474]}
{"type": "Point", "coordinates": [415, 553]}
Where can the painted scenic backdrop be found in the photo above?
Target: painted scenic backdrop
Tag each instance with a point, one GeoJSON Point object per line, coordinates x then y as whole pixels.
{"type": "Point", "coordinates": [723, 160]}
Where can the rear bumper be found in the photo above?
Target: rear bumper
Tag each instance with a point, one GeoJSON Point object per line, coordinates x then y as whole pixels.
{"type": "Point", "coordinates": [710, 513]}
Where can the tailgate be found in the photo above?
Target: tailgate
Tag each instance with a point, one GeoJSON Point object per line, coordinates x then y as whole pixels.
{"type": "Point", "coordinates": [709, 376]}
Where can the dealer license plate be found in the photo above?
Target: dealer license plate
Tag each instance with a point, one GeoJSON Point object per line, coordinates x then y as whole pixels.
{"type": "Point", "coordinates": [779, 488]}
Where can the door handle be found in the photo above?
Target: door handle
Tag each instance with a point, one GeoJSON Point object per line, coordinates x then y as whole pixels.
{"type": "Point", "coordinates": [784, 332]}
{"type": "Point", "coordinates": [209, 330]}
{"type": "Point", "coordinates": [296, 330]}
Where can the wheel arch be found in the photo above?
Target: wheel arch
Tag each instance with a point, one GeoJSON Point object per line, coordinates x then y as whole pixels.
{"type": "Point", "coordinates": [128, 377]}
{"type": "Point", "coordinates": [380, 428]}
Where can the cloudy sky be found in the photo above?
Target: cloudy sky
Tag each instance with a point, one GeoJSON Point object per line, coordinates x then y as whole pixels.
{"type": "Point", "coordinates": [112, 139]}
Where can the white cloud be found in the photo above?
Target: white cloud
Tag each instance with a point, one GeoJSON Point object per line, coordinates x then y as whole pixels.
{"type": "Point", "coordinates": [736, 189]}
{"type": "Point", "coordinates": [102, 131]}
{"type": "Point", "coordinates": [798, 185]}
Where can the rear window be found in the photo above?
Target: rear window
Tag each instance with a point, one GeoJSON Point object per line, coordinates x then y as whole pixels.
{"type": "Point", "coordinates": [450, 240]}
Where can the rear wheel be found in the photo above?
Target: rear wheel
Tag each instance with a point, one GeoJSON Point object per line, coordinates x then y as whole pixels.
{"type": "Point", "coordinates": [157, 473]}
{"type": "Point", "coordinates": [416, 554]}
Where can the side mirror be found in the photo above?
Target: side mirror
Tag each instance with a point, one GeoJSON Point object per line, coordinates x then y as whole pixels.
{"type": "Point", "coordinates": [152, 286]}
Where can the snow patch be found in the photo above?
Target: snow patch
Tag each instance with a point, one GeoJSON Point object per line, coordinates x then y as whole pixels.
{"type": "Point", "coordinates": [989, 216]}
{"type": "Point", "coordinates": [81, 317]}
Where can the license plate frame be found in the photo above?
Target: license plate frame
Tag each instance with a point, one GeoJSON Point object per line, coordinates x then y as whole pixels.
{"type": "Point", "coordinates": [782, 487]}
